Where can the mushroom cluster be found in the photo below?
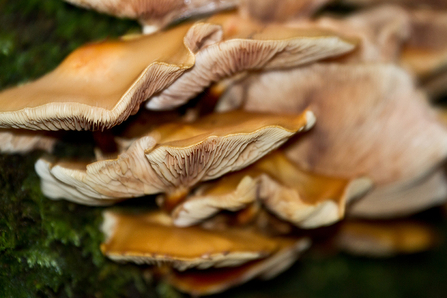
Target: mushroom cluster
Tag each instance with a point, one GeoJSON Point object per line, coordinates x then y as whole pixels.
{"type": "Point", "coordinates": [250, 123]}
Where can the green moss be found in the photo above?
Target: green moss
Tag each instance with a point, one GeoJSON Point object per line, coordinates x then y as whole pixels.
{"type": "Point", "coordinates": [36, 35]}
{"type": "Point", "coordinates": [51, 248]}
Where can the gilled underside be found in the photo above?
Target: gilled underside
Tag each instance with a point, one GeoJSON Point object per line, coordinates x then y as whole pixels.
{"type": "Point", "coordinates": [172, 158]}
{"type": "Point", "coordinates": [100, 85]}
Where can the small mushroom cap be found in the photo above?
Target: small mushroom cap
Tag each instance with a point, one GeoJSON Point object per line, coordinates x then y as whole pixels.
{"type": "Point", "coordinates": [403, 199]}
{"type": "Point", "coordinates": [385, 239]}
{"type": "Point", "coordinates": [279, 11]}
{"type": "Point", "coordinates": [156, 14]}
{"type": "Point", "coordinates": [381, 32]}
{"type": "Point", "coordinates": [151, 238]}
{"type": "Point", "coordinates": [100, 85]}
{"type": "Point", "coordinates": [424, 62]}
{"type": "Point", "coordinates": [231, 192]}
{"type": "Point", "coordinates": [305, 199]}
{"type": "Point", "coordinates": [211, 281]}
{"type": "Point", "coordinates": [23, 141]}
{"type": "Point", "coordinates": [248, 45]}
{"type": "Point", "coordinates": [173, 157]}
{"type": "Point", "coordinates": [409, 3]}
{"type": "Point", "coordinates": [426, 50]}
{"type": "Point", "coordinates": [372, 122]}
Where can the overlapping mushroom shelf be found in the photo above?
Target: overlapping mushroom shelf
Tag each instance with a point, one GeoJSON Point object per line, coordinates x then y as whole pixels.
{"type": "Point", "coordinates": [304, 199]}
{"type": "Point", "coordinates": [279, 123]}
{"type": "Point", "coordinates": [100, 85]}
{"type": "Point", "coordinates": [173, 158]}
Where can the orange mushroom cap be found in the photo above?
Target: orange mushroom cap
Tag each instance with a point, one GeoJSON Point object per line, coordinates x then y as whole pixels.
{"type": "Point", "coordinates": [425, 52]}
{"type": "Point", "coordinates": [385, 238]}
{"type": "Point", "coordinates": [213, 280]}
{"type": "Point", "coordinates": [100, 85]}
{"type": "Point", "coordinates": [249, 45]}
{"type": "Point", "coordinates": [173, 157]}
{"type": "Point", "coordinates": [304, 199]}
{"type": "Point", "coordinates": [151, 238]}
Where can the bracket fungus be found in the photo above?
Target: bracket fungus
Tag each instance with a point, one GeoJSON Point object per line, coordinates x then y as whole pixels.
{"type": "Point", "coordinates": [211, 281]}
{"type": "Point", "coordinates": [439, 4]}
{"type": "Point", "coordinates": [360, 109]}
{"type": "Point", "coordinates": [231, 192]}
{"type": "Point", "coordinates": [132, 238]}
{"type": "Point", "coordinates": [304, 199]}
{"type": "Point", "coordinates": [279, 11]}
{"type": "Point", "coordinates": [156, 14]}
{"type": "Point", "coordinates": [425, 52]}
{"type": "Point", "coordinates": [250, 46]}
{"type": "Point", "coordinates": [23, 141]}
{"type": "Point", "coordinates": [153, 239]}
{"type": "Point", "coordinates": [380, 32]}
{"type": "Point", "coordinates": [404, 198]}
{"type": "Point", "coordinates": [101, 84]}
{"type": "Point", "coordinates": [173, 158]}
{"type": "Point", "coordinates": [232, 204]}
{"type": "Point", "coordinates": [384, 238]}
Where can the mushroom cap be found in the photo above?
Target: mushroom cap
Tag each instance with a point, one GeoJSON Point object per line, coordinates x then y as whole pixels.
{"type": "Point", "coordinates": [304, 199]}
{"type": "Point", "coordinates": [409, 3]}
{"type": "Point", "coordinates": [232, 192]}
{"type": "Point", "coordinates": [279, 11]}
{"type": "Point", "coordinates": [101, 84]}
{"type": "Point", "coordinates": [156, 13]}
{"type": "Point", "coordinates": [381, 32]}
{"type": "Point", "coordinates": [403, 199]}
{"type": "Point", "coordinates": [213, 280]}
{"type": "Point", "coordinates": [23, 141]}
{"type": "Point", "coordinates": [425, 53]}
{"type": "Point", "coordinates": [361, 109]}
{"type": "Point", "coordinates": [248, 45]}
{"type": "Point", "coordinates": [372, 121]}
{"type": "Point", "coordinates": [385, 238]}
{"type": "Point", "coordinates": [151, 238]}
{"type": "Point", "coordinates": [173, 157]}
